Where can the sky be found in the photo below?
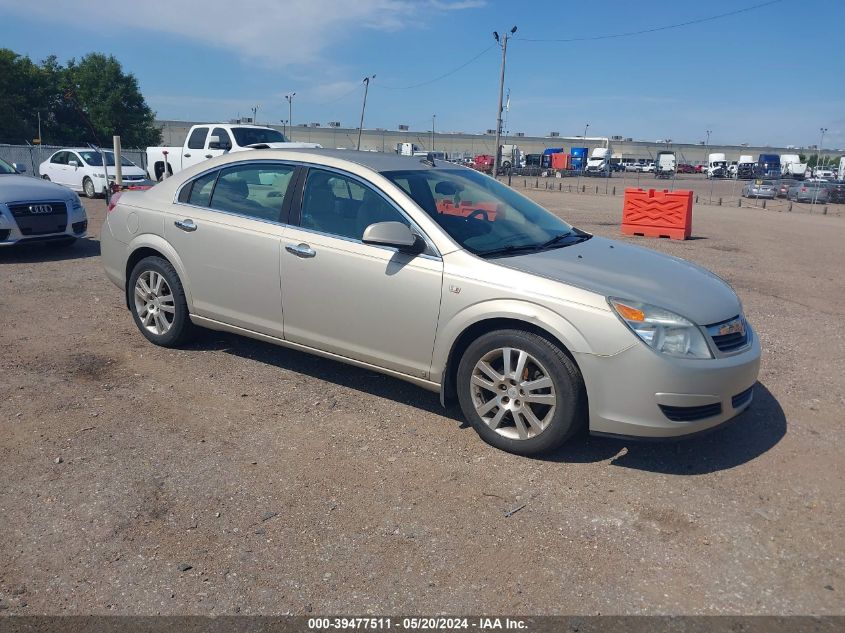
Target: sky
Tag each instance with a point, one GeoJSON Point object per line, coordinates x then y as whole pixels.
{"type": "Point", "coordinates": [770, 75]}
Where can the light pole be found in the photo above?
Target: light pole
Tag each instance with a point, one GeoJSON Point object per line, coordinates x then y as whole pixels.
{"type": "Point", "coordinates": [367, 81]}
{"type": "Point", "coordinates": [289, 99]}
{"type": "Point", "coordinates": [586, 127]}
{"type": "Point", "coordinates": [284, 123]}
{"type": "Point", "coordinates": [819, 150]}
{"type": "Point", "coordinates": [255, 115]}
{"type": "Point", "coordinates": [504, 44]}
{"type": "Point", "coordinates": [707, 152]}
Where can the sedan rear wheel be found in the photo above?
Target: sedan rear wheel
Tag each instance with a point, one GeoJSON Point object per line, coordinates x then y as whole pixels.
{"type": "Point", "coordinates": [520, 391]}
{"type": "Point", "coordinates": [88, 188]}
{"type": "Point", "coordinates": [158, 302]}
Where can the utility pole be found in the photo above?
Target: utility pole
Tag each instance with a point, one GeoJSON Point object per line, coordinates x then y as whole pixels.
{"type": "Point", "coordinates": [433, 116]}
{"type": "Point", "coordinates": [289, 99]}
{"type": "Point", "coordinates": [367, 81]}
{"type": "Point", "coordinates": [503, 42]}
{"type": "Point", "coordinates": [255, 115]}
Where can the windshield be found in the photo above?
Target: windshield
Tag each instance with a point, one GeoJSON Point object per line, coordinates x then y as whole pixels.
{"type": "Point", "coordinates": [251, 135]}
{"type": "Point", "coordinates": [6, 168]}
{"type": "Point", "coordinates": [481, 214]}
{"type": "Point", "coordinates": [96, 160]}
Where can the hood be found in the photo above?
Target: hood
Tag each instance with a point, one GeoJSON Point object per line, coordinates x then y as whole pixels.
{"type": "Point", "coordinates": [28, 189]}
{"type": "Point", "coordinates": [616, 269]}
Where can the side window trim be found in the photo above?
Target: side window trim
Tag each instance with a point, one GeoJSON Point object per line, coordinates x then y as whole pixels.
{"type": "Point", "coordinates": [296, 209]}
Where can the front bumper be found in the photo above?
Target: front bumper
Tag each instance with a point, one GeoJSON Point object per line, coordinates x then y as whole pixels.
{"type": "Point", "coordinates": [11, 234]}
{"type": "Point", "coordinates": [635, 392]}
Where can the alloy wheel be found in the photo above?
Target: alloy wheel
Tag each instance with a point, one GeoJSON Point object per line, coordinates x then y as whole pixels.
{"type": "Point", "coordinates": [513, 393]}
{"type": "Point", "coordinates": [154, 303]}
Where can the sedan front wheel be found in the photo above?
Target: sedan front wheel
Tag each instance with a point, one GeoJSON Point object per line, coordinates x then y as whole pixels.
{"type": "Point", "coordinates": [520, 391]}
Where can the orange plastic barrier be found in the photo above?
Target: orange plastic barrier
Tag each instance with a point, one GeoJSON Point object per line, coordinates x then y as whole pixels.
{"type": "Point", "coordinates": [466, 207]}
{"type": "Point", "coordinates": [657, 213]}
{"type": "Point", "coordinates": [561, 161]}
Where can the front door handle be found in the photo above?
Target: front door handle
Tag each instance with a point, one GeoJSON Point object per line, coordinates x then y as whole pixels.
{"type": "Point", "coordinates": [209, 155]}
{"type": "Point", "coordinates": [186, 225]}
{"type": "Point", "coordinates": [301, 250]}
{"type": "Point", "coordinates": [187, 155]}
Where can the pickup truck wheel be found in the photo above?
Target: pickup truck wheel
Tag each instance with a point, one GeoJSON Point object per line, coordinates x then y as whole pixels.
{"type": "Point", "coordinates": [520, 392]}
{"type": "Point", "coordinates": [158, 303]}
{"type": "Point", "coordinates": [88, 188]}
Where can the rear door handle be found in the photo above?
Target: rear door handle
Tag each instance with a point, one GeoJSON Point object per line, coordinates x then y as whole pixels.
{"type": "Point", "coordinates": [301, 250]}
{"type": "Point", "coordinates": [186, 225]}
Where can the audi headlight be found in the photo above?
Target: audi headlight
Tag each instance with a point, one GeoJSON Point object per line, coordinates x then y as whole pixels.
{"type": "Point", "coordinates": [662, 330]}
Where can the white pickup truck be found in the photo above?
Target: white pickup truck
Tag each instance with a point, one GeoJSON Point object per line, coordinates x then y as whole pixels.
{"type": "Point", "coordinates": [213, 139]}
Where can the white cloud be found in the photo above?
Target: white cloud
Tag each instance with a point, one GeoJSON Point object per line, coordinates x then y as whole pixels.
{"type": "Point", "coordinates": [277, 33]}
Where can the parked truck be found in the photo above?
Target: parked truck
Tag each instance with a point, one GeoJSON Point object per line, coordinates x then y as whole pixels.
{"type": "Point", "coordinates": [511, 156]}
{"type": "Point", "coordinates": [745, 167]}
{"type": "Point", "coordinates": [406, 149]}
{"type": "Point", "coordinates": [214, 139]}
{"type": "Point", "coordinates": [791, 166]}
{"type": "Point", "coordinates": [768, 166]}
{"type": "Point", "coordinates": [579, 158]}
{"type": "Point", "coordinates": [841, 172]}
{"type": "Point", "coordinates": [665, 164]}
{"type": "Point", "coordinates": [599, 162]}
{"type": "Point", "coordinates": [717, 165]}
{"type": "Point", "coordinates": [547, 156]}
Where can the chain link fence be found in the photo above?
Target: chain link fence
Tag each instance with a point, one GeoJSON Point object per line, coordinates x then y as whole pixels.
{"type": "Point", "coordinates": [33, 155]}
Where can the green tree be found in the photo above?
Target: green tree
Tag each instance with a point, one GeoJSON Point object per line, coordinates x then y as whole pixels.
{"type": "Point", "coordinates": [84, 101]}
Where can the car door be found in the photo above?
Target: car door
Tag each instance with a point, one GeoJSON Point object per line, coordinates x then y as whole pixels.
{"type": "Point", "coordinates": [58, 167]}
{"type": "Point", "coordinates": [370, 303]}
{"type": "Point", "coordinates": [75, 174]}
{"type": "Point", "coordinates": [194, 151]}
{"type": "Point", "coordinates": [226, 227]}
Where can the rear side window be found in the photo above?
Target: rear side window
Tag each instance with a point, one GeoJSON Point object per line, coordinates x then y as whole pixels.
{"type": "Point", "coordinates": [255, 190]}
{"type": "Point", "coordinates": [200, 189]}
{"type": "Point", "coordinates": [225, 141]}
{"type": "Point", "coordinates": [197, 138]}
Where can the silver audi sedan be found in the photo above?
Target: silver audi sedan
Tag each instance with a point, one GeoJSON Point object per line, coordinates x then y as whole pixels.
{"type": "Point", "coordinates": [441, 276]}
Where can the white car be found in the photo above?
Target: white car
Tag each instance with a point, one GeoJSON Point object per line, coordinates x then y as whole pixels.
{"type": "Point", "coordinates": [82, 170]}
{"type": "Point", "coordinates": [648, 168]}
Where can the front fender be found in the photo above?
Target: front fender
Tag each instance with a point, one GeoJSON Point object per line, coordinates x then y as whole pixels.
{"type": "Point", "coordinates": [520, 310]}
{"type": "Point", "coordinates": [158, 243]}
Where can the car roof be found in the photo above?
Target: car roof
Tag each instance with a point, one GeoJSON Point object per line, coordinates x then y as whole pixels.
{"type": "Point", "coordinates": [377, 161]}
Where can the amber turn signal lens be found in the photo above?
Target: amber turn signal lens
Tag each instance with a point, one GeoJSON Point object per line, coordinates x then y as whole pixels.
{"type": "Point", "coordinates": [628, 313]}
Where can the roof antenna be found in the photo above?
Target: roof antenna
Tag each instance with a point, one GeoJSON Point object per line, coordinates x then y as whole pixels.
{"type": "Point", "coordinates": [428, 160]}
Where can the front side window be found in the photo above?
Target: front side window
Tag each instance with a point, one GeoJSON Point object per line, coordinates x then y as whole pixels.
{"type": "Point", "coordinates": [197, 138]}
{"type": "Point", "coordinates": [59, 158]}
{"type": "Point", "coordinates": [339, 205]}
{"type": "Point", "coordinates": [95, 159]}
{"type": "Point", "coordinates": [483, 215]}
{"type": "Point", "coordinates": [224, 141]}
{"type": "Point", "coordinates": [256, 191]}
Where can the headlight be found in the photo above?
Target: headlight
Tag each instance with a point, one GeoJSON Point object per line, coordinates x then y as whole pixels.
{"type": "Point", "coordinates": [99, 175]}
{"type": "Point", "coordinates": [663, 331]}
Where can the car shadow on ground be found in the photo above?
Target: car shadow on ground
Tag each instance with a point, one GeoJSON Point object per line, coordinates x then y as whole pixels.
{"type": "Point", "coordinates": [38, 252]}
{"type": "Point", "coordinates": [745, 438]}
{"type": "Point", "coordinates": [335, 372]}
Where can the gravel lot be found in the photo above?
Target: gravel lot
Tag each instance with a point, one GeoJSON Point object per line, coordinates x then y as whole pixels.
{"type": "Point", "coordinates": [238, 477]}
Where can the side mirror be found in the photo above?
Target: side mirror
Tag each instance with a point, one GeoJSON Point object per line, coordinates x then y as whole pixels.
{"type": "Point", "coordinates": [394, 234]}
{"type": "Point", "coordinates": [19, 167]}
{"type": "Point", "coordinates": [73, 163]}
{"type": "Point", "coordinates": [214, 142]}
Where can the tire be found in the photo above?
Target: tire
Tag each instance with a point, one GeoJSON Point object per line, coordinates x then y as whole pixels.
{"type": "Point", "coordinates": [45, 177]}
{"type": "Point", "coordinates": [61, 243]}
{"type": "Point", "coordinates": [165, 323]}
{"type": "Point", "coordinates": [558, 412]}
{"type": "Point", "coordinates": [88, 188]}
